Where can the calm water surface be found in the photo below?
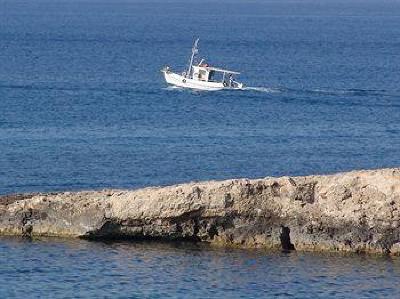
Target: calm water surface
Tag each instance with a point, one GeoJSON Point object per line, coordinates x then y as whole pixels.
{"type": "Point", "coordinates": [83, 105]}
{"type": "Point", "coordinates": [74, 268]}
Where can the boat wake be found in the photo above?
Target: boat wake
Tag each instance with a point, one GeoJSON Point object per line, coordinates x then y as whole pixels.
{"type": "Point", "coordinates": [314, 92]}
{"type": "Point", "coordinates": [173, 87]}
{"type": "Point", "coordinates": [325, 91]}
{"type": "Point", "coordinates": [247, 88]}
{"type": "Point", "coordinates": [349, 92]}
{"type": "Point", "coordinates": [264, 89]}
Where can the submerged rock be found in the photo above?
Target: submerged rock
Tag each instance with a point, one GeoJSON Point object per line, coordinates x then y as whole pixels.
{"type": "Point", "coordinates": [356, 211]}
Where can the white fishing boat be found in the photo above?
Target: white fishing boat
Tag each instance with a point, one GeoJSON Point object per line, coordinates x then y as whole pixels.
{"type": "Point", "coordinates": [202, 76]}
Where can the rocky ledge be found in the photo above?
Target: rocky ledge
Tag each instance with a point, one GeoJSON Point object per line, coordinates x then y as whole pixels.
{"type": "Point", "coordinates": [356, 211]}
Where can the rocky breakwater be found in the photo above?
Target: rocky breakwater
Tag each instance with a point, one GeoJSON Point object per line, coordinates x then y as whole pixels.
{"type": "Point", "coordinates": [356, 211]}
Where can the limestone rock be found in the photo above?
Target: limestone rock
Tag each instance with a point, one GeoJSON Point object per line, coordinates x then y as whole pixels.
{"type": "Point", "coordinates": [357, 211]}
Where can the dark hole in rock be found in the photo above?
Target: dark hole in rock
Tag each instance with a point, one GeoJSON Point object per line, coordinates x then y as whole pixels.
{"type": "Point", "coordinates": [27, 231]}
{"type": "Point", "coordinates": [285, 239]}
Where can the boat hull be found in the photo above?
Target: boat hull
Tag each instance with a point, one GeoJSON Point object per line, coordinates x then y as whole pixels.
{"type": "Point", "coordinates": [181, 81]}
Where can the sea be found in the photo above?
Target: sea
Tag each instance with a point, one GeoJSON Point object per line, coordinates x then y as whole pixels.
{"type": "Point", "coordinates": [83, 105]}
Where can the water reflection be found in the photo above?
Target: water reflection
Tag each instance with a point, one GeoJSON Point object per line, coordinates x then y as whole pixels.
{"type": "Point", "coordinates": [70, 268]}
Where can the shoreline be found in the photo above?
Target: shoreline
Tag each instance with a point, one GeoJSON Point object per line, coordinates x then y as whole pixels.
{"type": "Point", "coordinates": [357, 211]}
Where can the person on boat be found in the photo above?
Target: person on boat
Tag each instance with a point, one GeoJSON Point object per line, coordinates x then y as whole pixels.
{"type": "Point", "coordinates": [230, 80]}
{"type": "Point", "coordinates": [211, 76]}
{"type": "Point", "coordinates": [203, 63]}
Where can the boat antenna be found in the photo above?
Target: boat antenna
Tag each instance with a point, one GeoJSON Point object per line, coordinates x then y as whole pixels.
{"type": "Point", "coordinates": [195, 50]}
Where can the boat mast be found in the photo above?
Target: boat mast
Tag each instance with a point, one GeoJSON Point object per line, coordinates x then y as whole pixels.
{"type": "Point", "coordinates": [194, 52]}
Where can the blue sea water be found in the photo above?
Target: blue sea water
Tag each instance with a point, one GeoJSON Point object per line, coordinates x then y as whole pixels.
{"type": "Point", "coordinates": [81, 269]}
{"type": "Point", "coordinates": [84, 106]}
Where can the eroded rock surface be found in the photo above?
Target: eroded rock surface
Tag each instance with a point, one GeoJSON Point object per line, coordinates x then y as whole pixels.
{"type": "Point", "coordinates": [356, 211]}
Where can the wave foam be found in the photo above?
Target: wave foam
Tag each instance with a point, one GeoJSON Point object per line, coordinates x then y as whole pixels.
{"type": "Point", "coordinates": [263, 89]}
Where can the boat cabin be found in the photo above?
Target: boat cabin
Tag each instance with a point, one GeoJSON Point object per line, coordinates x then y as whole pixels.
{"type": "Point", "coordinates": [206, 73]}
{"type": "Point", "coordinates": [202, 73]}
